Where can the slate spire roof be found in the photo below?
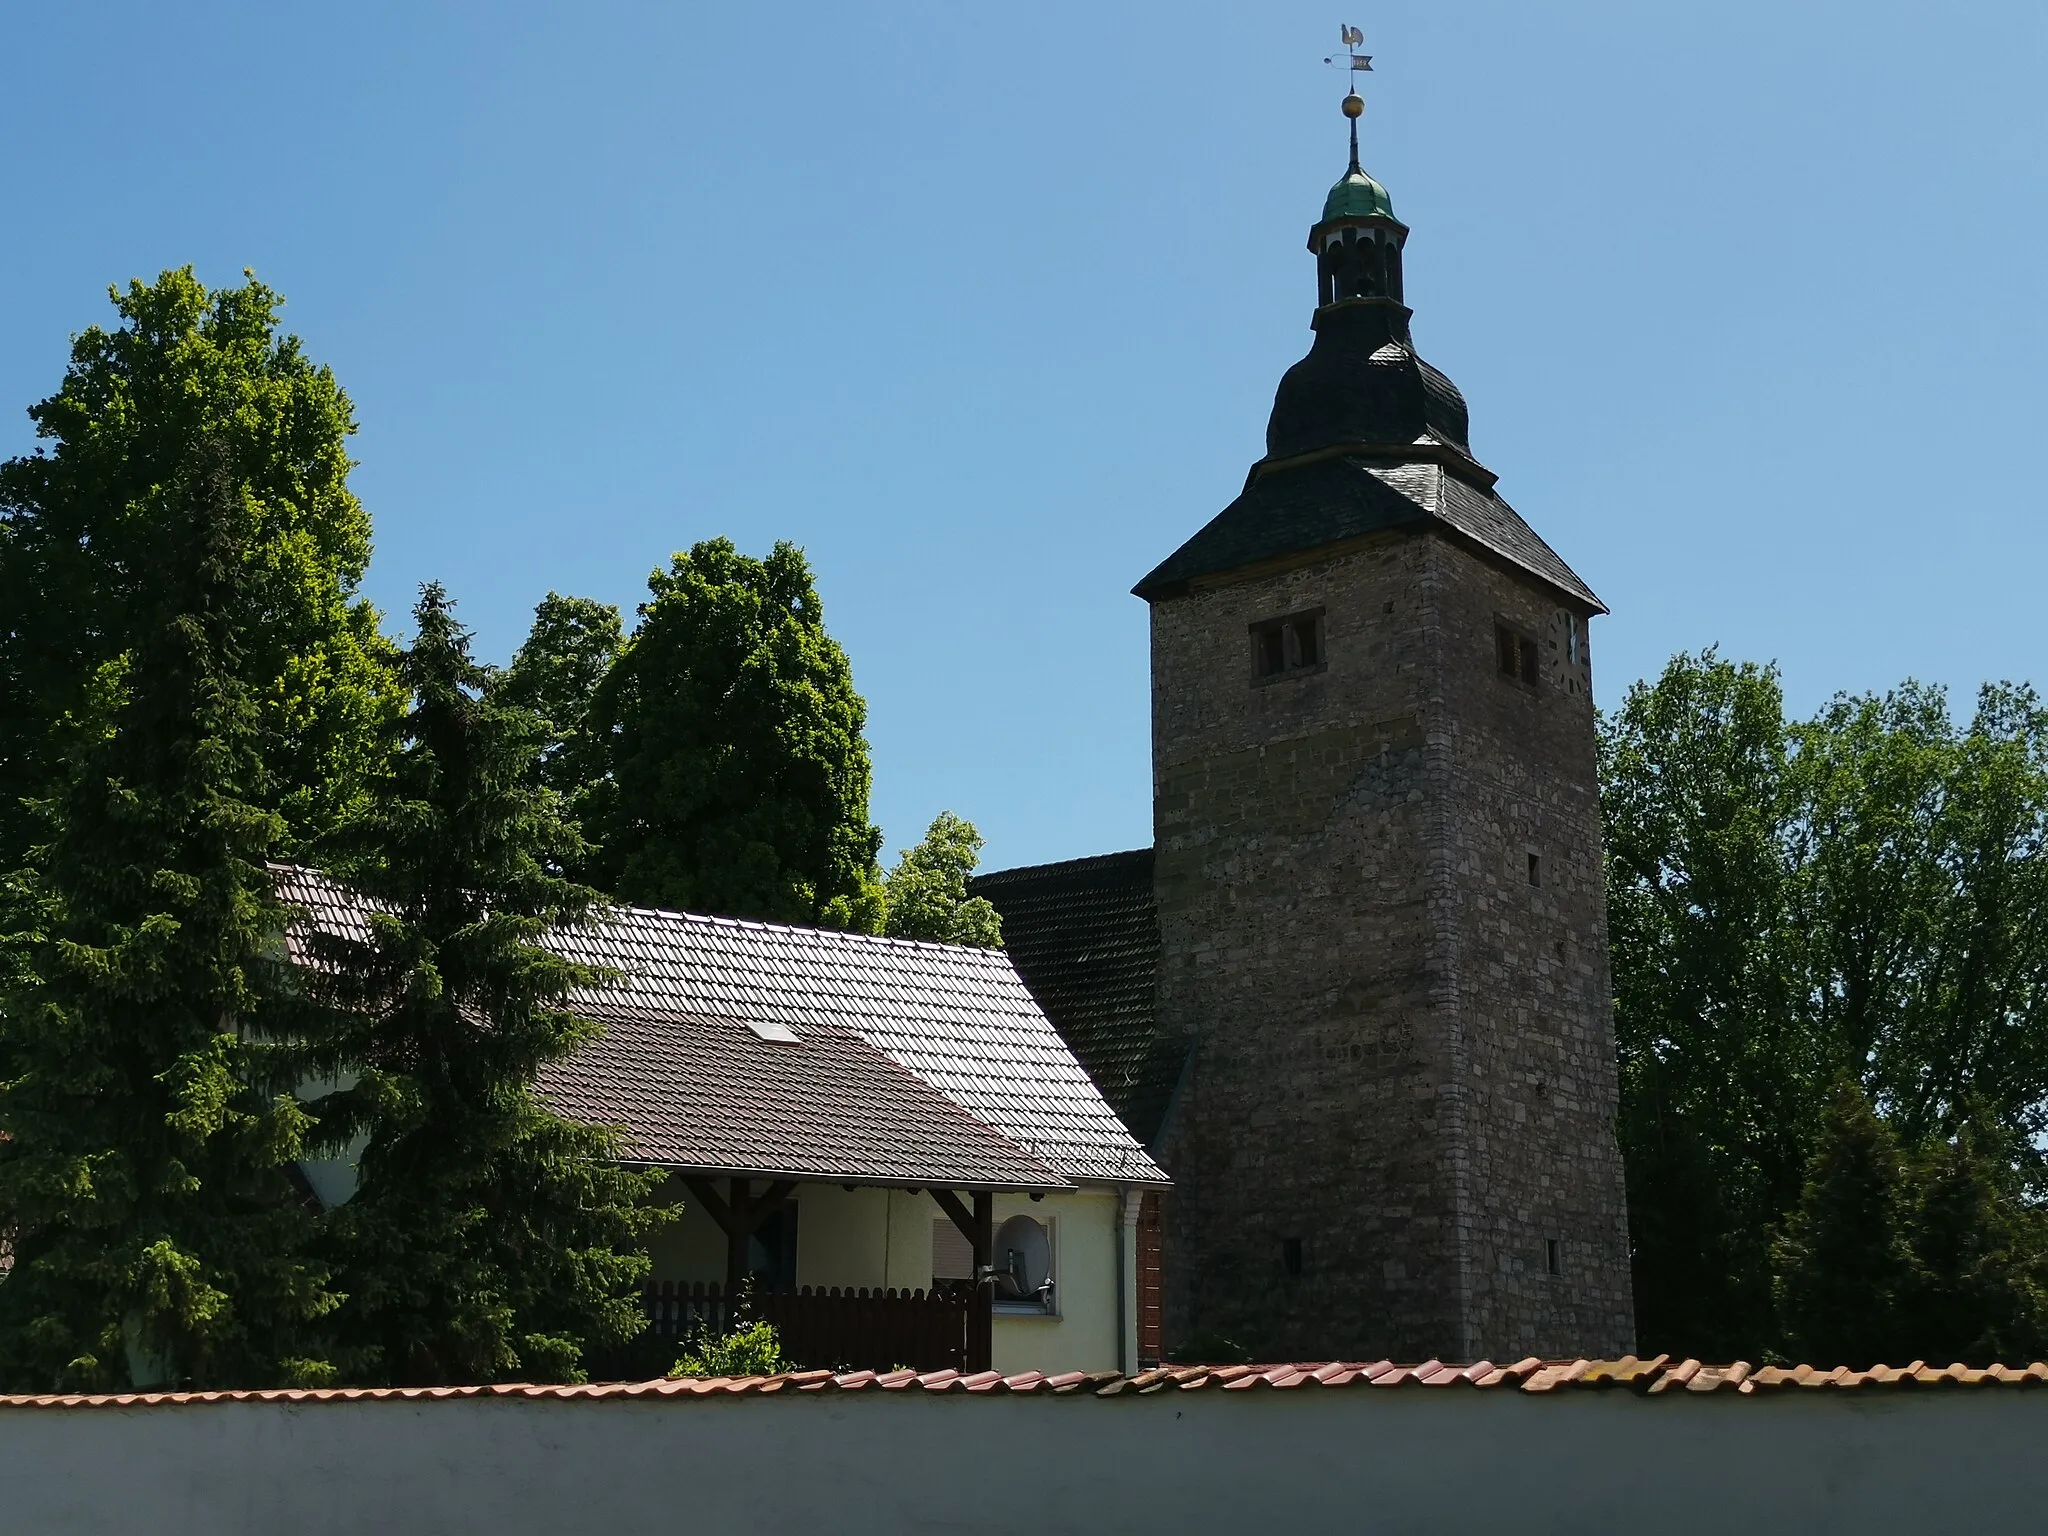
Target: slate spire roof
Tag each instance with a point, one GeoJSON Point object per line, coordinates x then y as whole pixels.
{"type": "Point", "coordinates": [1365, 436]}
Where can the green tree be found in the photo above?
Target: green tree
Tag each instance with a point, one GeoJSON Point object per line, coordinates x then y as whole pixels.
{"type": "Point", "coordinates": [1721, 1078]}
{"type": "Point", "coordinates": [926, 893]}
{"type": "Point", "coordinates": [572, 645]}
{"type": "Point", "coordinates": [739, 773]}
{"type": "Point", "coordinates": [1860, 896]}
{"type": "Point", "coordinates": [488, 1238]}
{"type": "Point", "coordinates": [1894, 1254]}
{"type": "Point", "coordinates": [85, 519]}
{"type": "Point", "coordinates": [1922, 893]}
{"type": "Point", "coordinates": [1845, 1260]}
{"type": "Point", "coordinates": [1979, 1291]}
{"type": "Point", "coordinates": [146, 1105]}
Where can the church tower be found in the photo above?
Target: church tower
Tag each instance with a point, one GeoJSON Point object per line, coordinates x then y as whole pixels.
{"type": "Point", "coordinates": [1378, 877]}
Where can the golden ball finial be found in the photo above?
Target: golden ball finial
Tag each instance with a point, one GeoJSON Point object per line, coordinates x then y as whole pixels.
{"type": "Point", "coordinates": [1354, 105]}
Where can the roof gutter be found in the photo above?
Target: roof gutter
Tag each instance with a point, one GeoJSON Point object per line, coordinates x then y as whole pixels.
{"type": "Point", "coordinates": [912, 1184]}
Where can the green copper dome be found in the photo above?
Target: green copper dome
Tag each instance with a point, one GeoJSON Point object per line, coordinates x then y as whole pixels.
{"type": "Point", "coordinates": [1357, 196]}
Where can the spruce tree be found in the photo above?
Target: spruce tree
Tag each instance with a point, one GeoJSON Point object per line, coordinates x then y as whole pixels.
{"type": "Point", "coordinates": [1844, 1264]}
{"type": "Point", "coordinates": [146, 1096]}
{"type": "Point", "coordinates": [1979, 1286]}
{"type": "Point", "coordinates": [739, 774]}
{"type": "Point", "coordinates": [488, 1238]}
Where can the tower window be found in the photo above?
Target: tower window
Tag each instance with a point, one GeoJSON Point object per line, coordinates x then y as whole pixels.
{"type": "Point", "coordinates": [1287, 646]}
{"type": "Point", "coordinates": [1553, 1256]}
{"type": "Point", "coordinates": [1271, 648]}
{"type": "Point", "coordinates": [1535, 869]}
{"type": "Point", "coordinates": [1516, 655]}
{"type": "Point", "coordinates": [1290, 1254]}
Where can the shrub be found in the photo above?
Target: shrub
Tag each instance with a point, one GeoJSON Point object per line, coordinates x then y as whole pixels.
{"type": "Point", "coordinates": [750, 1351]}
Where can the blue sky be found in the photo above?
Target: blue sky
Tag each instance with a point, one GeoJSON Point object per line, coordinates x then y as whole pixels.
{"type": "Point", "coordinates": [985, 307]}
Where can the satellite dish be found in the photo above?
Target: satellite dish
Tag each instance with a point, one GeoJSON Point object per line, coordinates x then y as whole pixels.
{"type": "Point", "coordinates": [1022, 1260]}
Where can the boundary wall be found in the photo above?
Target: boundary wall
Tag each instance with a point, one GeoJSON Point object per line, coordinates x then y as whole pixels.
{"type": "Point", "coordinates": [1363, 1460]}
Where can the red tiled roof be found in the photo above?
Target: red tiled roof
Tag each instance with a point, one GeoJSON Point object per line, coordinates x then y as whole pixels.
{"type": "Point", "coordinates": [1642, 1377]}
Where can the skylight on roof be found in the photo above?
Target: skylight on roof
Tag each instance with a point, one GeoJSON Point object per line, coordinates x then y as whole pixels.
{"type": "Point", "coordinates": [768, 1029]}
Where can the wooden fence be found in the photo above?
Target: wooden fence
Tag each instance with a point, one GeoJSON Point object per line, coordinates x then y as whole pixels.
{"type": "Point", "coordinates": [817, 1327]}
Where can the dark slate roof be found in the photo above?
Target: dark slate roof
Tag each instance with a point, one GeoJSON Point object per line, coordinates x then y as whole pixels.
{"type": "Point", "coordinates": [1084, 935]}
{"type": "Point", "coordinates": [1364, 436]}
{"type": "Point", "coordinates": [1286, 511]}
{"type": "Point", "coordinates": [708, 1093]}
{"type": "Point", "coordinates": [1363, 383]}
{"type": "Point", "coordinates": [959, 1024]}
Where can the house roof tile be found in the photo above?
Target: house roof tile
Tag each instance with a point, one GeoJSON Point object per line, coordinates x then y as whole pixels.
{"type": "Point", "coordinates": [709, 1093]}
{"type": "Point", "coordinates": [958, 1022]}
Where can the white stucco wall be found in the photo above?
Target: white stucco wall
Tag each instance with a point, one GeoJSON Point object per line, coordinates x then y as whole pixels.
{"type": "Point", "coordinates": [879, 1237]}
{"type": "Point", "coordinates": [1081, 1335]}
{"type": "Point", "coordinates": [1358, 1459]}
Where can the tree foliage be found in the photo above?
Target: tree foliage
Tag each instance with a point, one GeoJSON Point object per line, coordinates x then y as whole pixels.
{"type": "Point", "coordinates": [739, 773]}
{"type": "Point", "coordinates": [1860, 896]}
{"type": "Point", "coordinates": [555, 674]}
{"type": "Point", "coordinates": [145, 1097]}
{"type": "Point", "coordinates": [926, 893]}
{"type": "Point", "coordinates": [1894, 1255]}
{"type": "Point", "coordinates": [84, 522]}
{"type": "Point", "coordinates": [489, 1238]}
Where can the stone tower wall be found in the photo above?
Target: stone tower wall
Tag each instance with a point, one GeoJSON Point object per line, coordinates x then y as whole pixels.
{"type": "Point", "coordinates": [1528, 991]}
{"type": "Point", "coordinates": [1376, 999]}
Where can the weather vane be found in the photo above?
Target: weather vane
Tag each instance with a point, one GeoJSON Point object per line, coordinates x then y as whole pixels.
{"type": "Point", "coordinates": [1353, 61]}
{"type": "Point", "coordinates": [1353, 40]}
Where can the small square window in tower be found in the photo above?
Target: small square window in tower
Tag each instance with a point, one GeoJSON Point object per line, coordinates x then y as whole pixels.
{"type": "Point", "coordinates": [1288, 645]}
{"type": "Point", "coordinates": [1516, 655]}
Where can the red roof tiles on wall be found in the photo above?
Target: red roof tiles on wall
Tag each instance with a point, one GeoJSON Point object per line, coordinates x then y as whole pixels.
{"type": "Point", "coordinates": [1642, 1377]}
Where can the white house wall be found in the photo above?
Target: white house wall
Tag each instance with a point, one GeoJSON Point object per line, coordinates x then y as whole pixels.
{"type": "Point", "coordinates": [873, 1238]}
{"type": "Point", "coordinates": [1083, 1334]}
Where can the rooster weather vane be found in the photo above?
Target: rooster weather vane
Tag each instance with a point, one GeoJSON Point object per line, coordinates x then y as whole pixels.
{"type": "Point", "coordinates": [1351, 58]}
{"type": "Point", "coordinates": [1352, 61]}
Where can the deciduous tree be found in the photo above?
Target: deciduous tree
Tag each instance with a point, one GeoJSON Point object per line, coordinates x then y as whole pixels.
{"type": "Point", "coordinates": [1721, 1077]}
{"type": "Point", "coordinates": [739, 774]}
{"type": "Point", "coordinates": [1860, 897]}
{"type": "Point", "coordinates": [84, 522]}
{"type": "Point", "coordinates": [556, 673]}
{"type": "Point", "coordinates": [926, 893]}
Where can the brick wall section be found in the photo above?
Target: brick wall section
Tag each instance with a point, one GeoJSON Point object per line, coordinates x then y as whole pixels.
{"type": "Point", "coordinates": [1151, 1252]}
{"type": "Point", "coordinates": [1405, 1059]}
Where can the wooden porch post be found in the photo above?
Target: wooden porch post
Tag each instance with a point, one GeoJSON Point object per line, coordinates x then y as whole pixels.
{"type": "Point", "coordinates": [737, 1237]}
{"type": "Point", "coordinates": [978, 1227]}
{"type": "Point", "coordinates": [981, 1321]}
